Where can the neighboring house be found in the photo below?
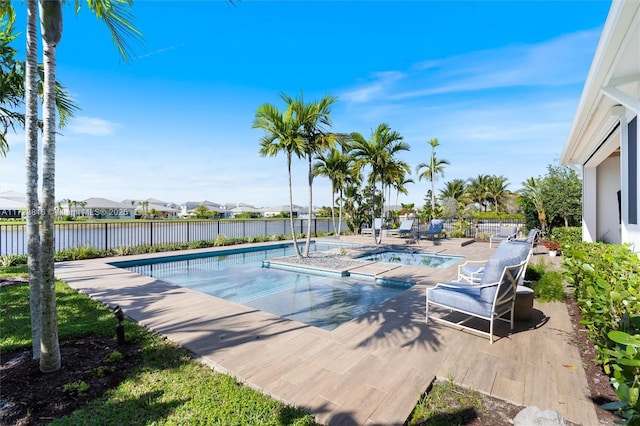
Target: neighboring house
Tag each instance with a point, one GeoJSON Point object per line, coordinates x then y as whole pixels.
{"type": "Point", "coordinates": [277, 210]}
{"type": "Point", "coordinates": [98, 208]}
{"type": "Point", "coordinates": [604, 134]}
{"type": "Point", "coordinates": [187, 208]}
{"type": "Point", "coordinates": [12, 204]}
{"type": "Point", "coordinates": [155, 208]}
{"type": "Point", "coordinates": [242, 208]}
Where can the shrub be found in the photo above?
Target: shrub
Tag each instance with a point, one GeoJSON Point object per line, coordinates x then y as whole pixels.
{"type": "Point", "coordinates": [8, 260]}
{"type": "Point", "coordinates": [606, 280]}
{"type": "Point", "coordinates": [549, 287]}
{"type": "Point", "coordinates": [80, 253]}
{"type": "Point", "coordinates": [535, 271]}
{"type": "Point", "coordinates": [567, 235]}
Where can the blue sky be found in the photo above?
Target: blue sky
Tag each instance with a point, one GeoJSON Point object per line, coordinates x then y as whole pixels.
{"type": "Point", "coordinates": [496, 82]}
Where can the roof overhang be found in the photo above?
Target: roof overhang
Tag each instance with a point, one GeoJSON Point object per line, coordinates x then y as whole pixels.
{"type": "Point", "coordinates": [613, 81]}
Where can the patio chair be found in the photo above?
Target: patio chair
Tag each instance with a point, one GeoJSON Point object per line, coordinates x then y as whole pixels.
{"type": "Point", "coordinates": [491, 300]}
{"type": "Point", "coordinates": [436, 227]}
{"type": "Point", "coordinates": [504, 233]}
{"type": "Point", "coordinates": [405, 228]}
{"type": "Point", "coordinates": [377, 225]}
{"type": "Point", "coordinates": [532, 237]}
{"type": "Point", "coordinates": [472, 270]}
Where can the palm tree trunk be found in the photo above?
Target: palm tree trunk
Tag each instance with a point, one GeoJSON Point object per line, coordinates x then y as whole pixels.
{"type": "Point", "coordinates": [51, 19]}
{"type": "Point", "coordinates": [340, 212]}
{"type": "Point", "coordinates": [373, 213]}
{"type": "Point", "coordinates": [333, 207]}
{"type": "Point", "coordinates": [31, 157]}
{"type": "Point", "coordinates": [379, 240]}
{"type": "Point", "coordinates": [310, 178]}
{"type": "Point", "coordinates": [293, 231]}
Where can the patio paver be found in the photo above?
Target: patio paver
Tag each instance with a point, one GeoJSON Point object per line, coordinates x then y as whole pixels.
{"type": "Point", "coordinates": [371, 370]}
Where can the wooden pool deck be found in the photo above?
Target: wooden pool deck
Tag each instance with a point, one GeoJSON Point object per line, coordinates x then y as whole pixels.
{"type": "Point", "coordinates": [371, 370]}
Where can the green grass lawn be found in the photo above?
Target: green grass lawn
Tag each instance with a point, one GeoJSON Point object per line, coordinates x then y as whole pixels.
{"type": "Point", "coordinates": [168, 388]}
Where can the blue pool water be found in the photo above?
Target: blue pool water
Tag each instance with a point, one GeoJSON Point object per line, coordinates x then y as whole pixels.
{"type": "Point", "coordinates": [418, 259]}
{"type": "Point", "coordinates": [237, 275]}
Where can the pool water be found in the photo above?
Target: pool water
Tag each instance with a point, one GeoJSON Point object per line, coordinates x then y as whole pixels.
{"type": "Point", "coordinates": [238, 276]}
{"type": "Point", "coordinates": [418, 259]}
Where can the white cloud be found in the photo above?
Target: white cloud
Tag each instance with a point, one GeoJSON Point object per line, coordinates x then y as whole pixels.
{"type": "Point", "coordinates": [559, 61]}
{"type": "Point", "coordinates": [382, 81]}
{"type": "Point", "coordinates": [92, 126]}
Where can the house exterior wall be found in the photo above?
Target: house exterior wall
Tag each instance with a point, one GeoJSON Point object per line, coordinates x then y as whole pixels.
{"type": "Point", "coordinates": [589, 204]}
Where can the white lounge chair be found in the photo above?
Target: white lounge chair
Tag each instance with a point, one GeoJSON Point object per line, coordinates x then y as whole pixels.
{"type": "Point", "coordinates": [504, 233]}
{"type": "Point", "coordinates": [472, 270]}
{"type": "Point", "coordinates": [405, 228]}
{"type": "Point", "coordinates": [491, 300]}
{"type": "Point", "coordinates": [377, 225]}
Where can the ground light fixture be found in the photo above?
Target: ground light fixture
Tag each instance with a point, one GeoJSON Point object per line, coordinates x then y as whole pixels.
{"type": "Point", "coordinates": [117, 311]}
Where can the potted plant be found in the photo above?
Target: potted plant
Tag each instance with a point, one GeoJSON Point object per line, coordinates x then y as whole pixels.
{"type": "Point", "coordinates": [553, 247]}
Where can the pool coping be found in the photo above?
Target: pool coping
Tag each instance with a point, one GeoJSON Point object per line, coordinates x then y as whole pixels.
{"type": "Point", "coordinates": [370, 370]}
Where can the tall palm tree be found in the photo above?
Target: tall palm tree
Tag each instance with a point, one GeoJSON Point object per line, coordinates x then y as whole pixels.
{"type": "Point", "coordinates": [431, 170]}
{"type": "Point", "coordinates": [281, 136]}
{"type": "Point", "coordinates": [313, 120]}
{"type": "Point", "coordinates": [51, 29]}
{"type": "Point", "coordinates": [377, 154]}
{"type": "Point", "coordinates": [116, 16]}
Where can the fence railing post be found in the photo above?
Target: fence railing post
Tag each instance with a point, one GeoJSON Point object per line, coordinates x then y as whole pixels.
{"type": "Point", "coordinates": [106, 236]}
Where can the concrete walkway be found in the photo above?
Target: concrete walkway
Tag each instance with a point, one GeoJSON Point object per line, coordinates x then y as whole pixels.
{"type": "Point", "coordinates": [371, 370]}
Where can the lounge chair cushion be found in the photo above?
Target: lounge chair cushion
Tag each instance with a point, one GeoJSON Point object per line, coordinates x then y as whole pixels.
{"type": "Point", "coordinates": [464, 297]}
{"type": "Point", "coordinates": [493, 269]}
{"type": "Point", "coordinates": [506, 231]}
{"type": "Point", "coordinates": [470, 269]}
{"type": "Point", "coordinates": [516, 248]}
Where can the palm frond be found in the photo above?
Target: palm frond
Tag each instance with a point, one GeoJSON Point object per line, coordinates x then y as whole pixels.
{"type": "Point", "coordinates": [117, 16]}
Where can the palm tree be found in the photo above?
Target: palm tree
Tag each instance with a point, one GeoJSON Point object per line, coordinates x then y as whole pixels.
{"type": "Point", "coordinates": [478, 190]}
{"type": "Point", "coordinates": [12, 82]}
{"type": "Point", "coordinates": [400, 184]}
{"type": "Point", "coordinates": [498, 190]}
{"type": "Point", "coordinates": [281, 136]}
{"type": "Point", "coordinates": [396, 172]}
{"type": "Point", "coordinates": [13, 78]}
{"type": "Point", "coordinates": [408, 209]}
{"type": "Point", "coordinates": [377, 153]}
{"type": "Point", "coordinates": [334, 165]}
{"type": "Point", "coordinates": [312, 120]}
{"type": "Point", "coordinates": [431, 170]}
{"type": "Point", "coordinates": [51, 29]}
{"type": "Point", "coordinates": [532, 189]}
{"type": "Point", "coordinates": [456, 189]}
{"type": "Point", "coordinates": [116, 16]}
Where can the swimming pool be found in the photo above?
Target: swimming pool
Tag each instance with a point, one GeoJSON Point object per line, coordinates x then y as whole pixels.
{"type": "Point", "coordinates": [237, 275]}
{"type": "Point", "coordinates": [409, 258]}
